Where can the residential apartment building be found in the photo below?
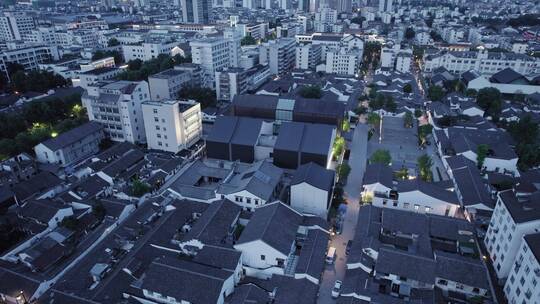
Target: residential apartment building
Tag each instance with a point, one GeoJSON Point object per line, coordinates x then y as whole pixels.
{"type": "Point", "coordinates": [167, 84]}
{"type": "Point", "coordinates": [150, 50]}
{"type": "Point", "coordinates": [256, 30]}
{"type": "Point", "coordinates": [29, 57]}
{"type": "Point", "coordinates": [231, 82]}
{"type": "Point", "coordinates": [343, 61]}
{"type": "Point", "coordinates": [308, 56]}
{"type": "Point", "coordinates": [118, 107]}
{"type": "Point", "coordinates": [14, 25]}
{"type": "Point", "coordinates": [172, 125]}
{"type": "Point", "coordinates": [279, 55]}
{"type": "Point", "coordinates": [196, 11]}
{"type": "Point", "coordinates": [71, 146]}
{"type": "Point", "coordinates": [395, 58]}
{"type": "Point", "coordinates": [483, 61]}
{"type": "Point", "coordinates": [523, 283]}
{"type": "Point", "coordinates": [213, 54]}
{"type": "Point", "coordinates": [510, 222]}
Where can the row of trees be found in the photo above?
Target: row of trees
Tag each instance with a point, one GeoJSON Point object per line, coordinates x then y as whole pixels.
{"type": "Point", "coordinates": [37, 121]}
{"type": "Point", "coordinates": [140, 70]}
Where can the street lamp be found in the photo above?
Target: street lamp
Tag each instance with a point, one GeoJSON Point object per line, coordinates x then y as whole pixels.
{"type": "Point", "coordinates": [22, 297]}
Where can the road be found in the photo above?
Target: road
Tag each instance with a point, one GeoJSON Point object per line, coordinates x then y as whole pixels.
{"type": "Point", "coordinates": [352, 190]}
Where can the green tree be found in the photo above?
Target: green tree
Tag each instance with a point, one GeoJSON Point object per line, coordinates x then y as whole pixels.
{"type": "Point", "coordinates": [345, 125]}
{"type": "Point", "coordinates": [481, 153]}
{"type": "Point", "coordinates": [407, 88]}
{"type": "Point", "coordinates": [490, 100]}
{"type": "Point", "coordinates": [360, 110]}
{"type": "Point", "coordinates": [409, 33]}
{"type": "Point", "coordinates": [311, 91]}
{"type": "Point", "coordinates": [418, 113]}
{"type": "Point", "coordinates": [435, 93]}
{"type": "Point", "coordinates": [206, 97]}
{"type": "Point", "coordinates": [408, 120]}
{"type": "Point", "coordinates": [389, 104]}
{"type": "Point", "coordinates": [343, 171]}
{"type": "Point", "coordinates": [424, 167]}
{"type": "Point", "coordinates": [471, 93]}
{"type": "Point", "coordinates": [381, 157]}
{"type": "Point", "coordinates": [423, 132]}
{"type": "Point", "coordinates": [358, 20]}
{"type": "Point", "coordinates": [113, 42]}
{"type": "Point", "coordinates": [248, 40]}
{"type": "Point", "coordinates": [339, 147]}
{"type": "Point", "coordinates": [378, 102]}
{"type": "Point", "coordinates": [139, 188]}
{"type": "Point", "coordinates": [525, 133]}
{"type": "Point", "coordinates": [402, 173]}
{"type": "Point", "coordinates": [373, 119]}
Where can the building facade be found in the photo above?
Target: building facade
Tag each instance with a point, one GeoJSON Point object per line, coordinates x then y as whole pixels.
{"type": "Point", "coordinates": [172, 125]}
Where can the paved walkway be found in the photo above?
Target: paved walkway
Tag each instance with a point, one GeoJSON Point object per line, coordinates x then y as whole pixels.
{"type": "Point", "coordinates": [352, 190]}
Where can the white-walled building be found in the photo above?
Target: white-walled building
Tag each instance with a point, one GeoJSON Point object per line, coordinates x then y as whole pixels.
{"type": "Point", "coordinates": [396, 58]}
{"type": "Point", "coordinates": [308, 56]}
{"type": "Point", "coordinates": [343, 61]}
{"type": "Point", "coordinates": [510, 222]}
{"type": "Point", "coordinates": [311, 190]}
{"type": "Point", "coordinates": [117, 106]}
{"type": "Point", "coordinates": [29, 57]}
{"type": "Point", "coordinates": [150, 50]}
{"type": "Point", "coordinates": [483, 61]}
{"type": "Point", "coordinates": [230, 82]}
{"type": "Point", "coordinates": [71, 146]}
{"type": "Point", "coordinates": [172, 125]}
{"type": "Point", "coordinates": [279, 54]}
{"type": "Point", "coordinates": [523, 285]}
{"type": "Point", "coordinates": [213, 54]}
{"type": "Point", "coordinates": [167, 84]}
{"type": "Point", "coordinates": [14, 25]}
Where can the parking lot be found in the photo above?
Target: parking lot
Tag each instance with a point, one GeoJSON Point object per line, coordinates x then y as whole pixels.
{"type": "Point", "coordinates": [401, 142]}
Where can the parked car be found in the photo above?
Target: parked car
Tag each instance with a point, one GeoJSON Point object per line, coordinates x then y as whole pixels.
{"type": "Point", "coordinates": [348, 248]}
{"type": "Point", "coordinates": [337, 289]}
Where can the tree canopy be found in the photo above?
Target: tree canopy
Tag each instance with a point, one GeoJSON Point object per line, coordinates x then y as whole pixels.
{"type": "Point", "coordinates": [490, 100]}
{"type": "Point", "coordinates": [381, 157]}
{"type": "Point", "coordinates": [248, 40]}
{"type": "Point", "coordinates": [424, 168]}
{"type": "Point", "coordinates": [206, 97]}
{"type": "Point", "coordinates": [311, 91]}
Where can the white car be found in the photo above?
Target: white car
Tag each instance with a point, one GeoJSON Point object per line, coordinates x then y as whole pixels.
{"type": "Point", "coordinates": [337, 289]}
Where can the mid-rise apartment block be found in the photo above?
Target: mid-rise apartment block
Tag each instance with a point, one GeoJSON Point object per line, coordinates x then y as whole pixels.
{"type": "Point", "coordinates": [167, 84]}
{"type": "Point", "coordinates": [483, 61]}
{"type": "Point", "coordinates": [30, 57]}
{"type": "Point", "coordinates": [172, 125]}
{"type": "Point", "coordinates": [213, 54]}
{"type": "Point", "coordinates": [343, 61]}
{"type": "Point", "coordinates": [14, 25]}
{"type": "Point", "coordinates": [279, 54]}
{"type": "Point", "coordinates": [510, 222]}
{"type": "Point", "coordinates": [118, 107]}
{"type": "Point", "coordinates": [308, 56]}
{"type": "Point", "coordinates": [523, 284]}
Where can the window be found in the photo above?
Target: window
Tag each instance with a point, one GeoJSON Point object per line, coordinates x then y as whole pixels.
{"type": "Point", "coordinates": [248, 200]}
{"type": "Point", "coordinates": [263, 257]}
{"type": "Point", "coordinates": [416, 207]}
{"type": "Point", "coordinates": [395, 204]}
{"type": "Point", "coordinates": [406, 205]}
{"type": "Point", "coordinates": [428, 209]}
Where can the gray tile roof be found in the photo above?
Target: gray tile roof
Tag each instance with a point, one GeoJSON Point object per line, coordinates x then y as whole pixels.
{"type": "Point", "coordinates": [186, 281]}
{"type": "Point", "coordinates": [248, 294]}
{"type": "Point", "coordinates": [260, 179]}
{"type": "Point", "coordinates": [407, 265]}
{"type": "Point", "coordinates": [313, 254]}
{"type": "Point", "coordinates": [461, 269]}
{"type": "Point", "coordinates": [314, 175]}
{"type": "Point", "coordinates": [428, 189]}
{"type": "Point", "coordinates": [294, 291]}
{"type": "Point", "coordinates": [472, 187]}
{"type": "Point", "coordinates": [72, 136]}
{"type": "Point", "coordinates": [275, 224]}
{"type": "Point", "coordinates": [378, 173]}
{"type": "Point", "coordinates": [235, 130]}
{"type": "Point", "coordinates": [305, 138]}
{"type": "Point", "coordinates": [215, 224]}
{"type": "Point", "coordinates": [521, 212]}
{"type": "Point", "coordinates": [533, 240]}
